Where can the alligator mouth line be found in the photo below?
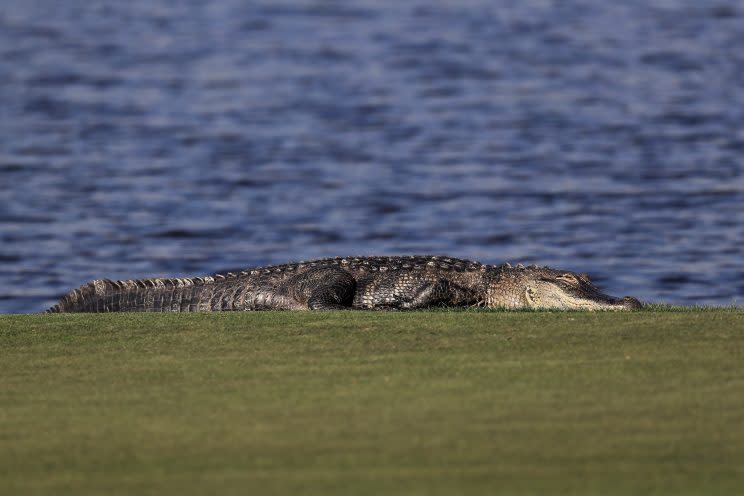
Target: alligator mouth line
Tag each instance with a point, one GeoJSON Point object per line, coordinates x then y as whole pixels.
{"type": "Point", "coordinates": [605, 302]}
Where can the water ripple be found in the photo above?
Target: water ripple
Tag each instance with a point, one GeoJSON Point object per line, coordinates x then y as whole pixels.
{"type": "Point", "coordinates": [149, 138]}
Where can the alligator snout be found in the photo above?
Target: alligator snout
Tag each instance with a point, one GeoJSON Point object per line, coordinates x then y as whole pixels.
{"type": "Point", "coordinates": [631, 303]}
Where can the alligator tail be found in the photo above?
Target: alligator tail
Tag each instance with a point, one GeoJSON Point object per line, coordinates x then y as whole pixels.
{"type": "Point", "coordinates": [140, 295]}
{"type": "Point", "coordinates": [83, 299]}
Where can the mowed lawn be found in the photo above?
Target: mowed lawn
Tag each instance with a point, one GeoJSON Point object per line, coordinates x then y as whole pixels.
{"type": "Point", "coordinates": [468, 402]}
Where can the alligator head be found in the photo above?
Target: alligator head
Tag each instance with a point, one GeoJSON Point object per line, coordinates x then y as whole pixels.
{"type": "Point", "coordinates": [543, 287]}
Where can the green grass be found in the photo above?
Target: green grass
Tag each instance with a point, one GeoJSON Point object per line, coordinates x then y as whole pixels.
{"type": "Point", "coordinates": [350, 403]}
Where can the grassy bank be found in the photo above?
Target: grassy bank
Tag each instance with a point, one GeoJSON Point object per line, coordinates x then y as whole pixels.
{"type": "Point", "coordinates": [648, 402]}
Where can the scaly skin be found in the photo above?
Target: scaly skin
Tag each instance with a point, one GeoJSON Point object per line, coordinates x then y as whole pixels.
{"type": "Point", "coordinates": [383, 283]}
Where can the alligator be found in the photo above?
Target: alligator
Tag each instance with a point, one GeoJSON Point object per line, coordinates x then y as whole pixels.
{"type": "Point", "coordinates": [381, 283]}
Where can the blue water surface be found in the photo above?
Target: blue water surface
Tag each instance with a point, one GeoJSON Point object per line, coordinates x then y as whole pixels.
{"type": "Point", "coordinates": [152, 138]}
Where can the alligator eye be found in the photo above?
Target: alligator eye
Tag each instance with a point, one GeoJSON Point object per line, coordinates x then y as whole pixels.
{"type": "Point", "coordinates": [569, 278]}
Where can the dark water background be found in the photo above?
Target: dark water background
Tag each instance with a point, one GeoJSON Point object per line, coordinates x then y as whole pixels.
{"type": "Point", "coordinates": [148, 138]}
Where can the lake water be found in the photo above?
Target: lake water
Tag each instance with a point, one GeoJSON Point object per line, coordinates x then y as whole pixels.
{"type": "Point", "coordinates": [151, 138]}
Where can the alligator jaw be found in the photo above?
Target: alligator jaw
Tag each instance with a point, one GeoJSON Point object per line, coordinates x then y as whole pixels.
{"type": "Point", "coordinates": [601, 301]}
{"type": "Point", "coordinates": [609, 303]}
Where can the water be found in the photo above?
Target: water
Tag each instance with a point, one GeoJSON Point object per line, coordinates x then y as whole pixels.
{"type": "Point", "coordinates": [151, 138]}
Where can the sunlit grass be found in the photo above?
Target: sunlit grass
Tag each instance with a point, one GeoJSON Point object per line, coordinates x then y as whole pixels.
{"type": "Point", "coordinates": [444, 402]}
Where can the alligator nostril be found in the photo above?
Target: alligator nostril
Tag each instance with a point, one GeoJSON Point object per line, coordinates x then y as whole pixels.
{"type": "Point", "coordinates": [631, 303]}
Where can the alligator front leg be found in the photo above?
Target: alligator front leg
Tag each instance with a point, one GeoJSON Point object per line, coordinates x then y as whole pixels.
{"type": "Point", "coordinates": [429, 294]}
